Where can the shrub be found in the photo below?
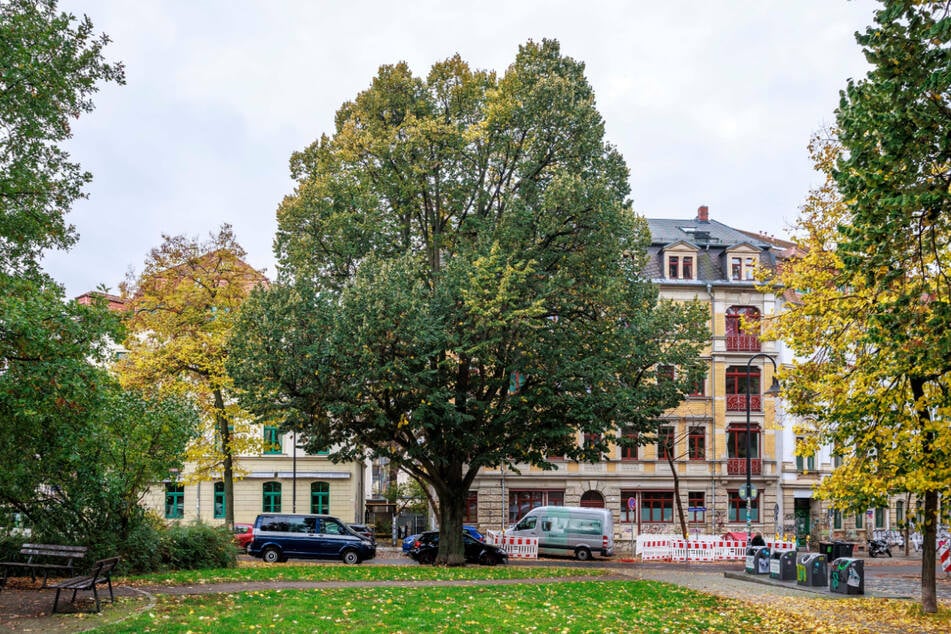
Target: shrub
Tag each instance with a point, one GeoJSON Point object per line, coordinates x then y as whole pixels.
{"type": "Point", "coordinates": [193, 546]}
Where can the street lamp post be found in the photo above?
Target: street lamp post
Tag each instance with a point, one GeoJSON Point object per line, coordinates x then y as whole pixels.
{"type": "Point", "coordinates": [774, 388]}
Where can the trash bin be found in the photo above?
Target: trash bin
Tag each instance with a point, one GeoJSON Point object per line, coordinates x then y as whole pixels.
{"type": "Point", "coordinates": [811, 569]}
{"type": "Point", "coordinates": [834, 550]}
{"type": "Point", "coordinates": [782, 565]}
{"type": "Point", "coordinates": [757, 560]}
{"type": "Point", "coordinates": [847, 576]}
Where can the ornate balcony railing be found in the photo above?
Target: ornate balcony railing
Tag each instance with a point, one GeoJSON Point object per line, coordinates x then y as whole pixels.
{"type": "Point", "coordinates": [737, 403]}
{"type": "Point", "coordinates": [742, 343]}
{"type": "Point", "coordinates": [737, 466]}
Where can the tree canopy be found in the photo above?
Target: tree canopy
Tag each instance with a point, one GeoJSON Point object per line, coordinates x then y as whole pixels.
{"type": "Point", "coordinates": [50, 66]}
{"type": "Point", "coordinates": [873, 328]}
{"type": "Point", "coordinates": [461, 282]}
{"type": "Point", "coordinates": [181, 311]}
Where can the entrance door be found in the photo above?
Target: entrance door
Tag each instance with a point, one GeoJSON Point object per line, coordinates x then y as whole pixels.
{"type": "Point", "coordinates": [803, 525]}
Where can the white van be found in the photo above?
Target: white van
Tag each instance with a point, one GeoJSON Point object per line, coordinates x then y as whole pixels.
{"type": "Point", "coordinates": [568, 530]}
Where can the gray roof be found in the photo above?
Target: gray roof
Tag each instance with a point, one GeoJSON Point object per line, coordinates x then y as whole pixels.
{"type": "Point", "coordinates": [712, 238]}
{"type": "Point", "coordinates": [699, 233]}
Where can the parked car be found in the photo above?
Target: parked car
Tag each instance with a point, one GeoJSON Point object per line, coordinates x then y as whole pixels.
{"type": "Point", "coordinates": [567, 530]}
{"type": "Point", "coordinates": [426, 547]}
{"type": "Point", "coordinates": [243, 534]}
{"type": "Point", "coordinates": [363, 531]}
{"type": "Point", "coordinates": [278, 536]}
{"type": "Point", "coordinates": [410, 540]}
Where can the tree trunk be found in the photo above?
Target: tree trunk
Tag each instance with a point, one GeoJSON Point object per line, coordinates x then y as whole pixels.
{"type": "Point", "coordinates": [929, 597]}
{"type": "Point", "coordinates": [227, 464]}
{"type": "Point", "coordinates": [680, 506]}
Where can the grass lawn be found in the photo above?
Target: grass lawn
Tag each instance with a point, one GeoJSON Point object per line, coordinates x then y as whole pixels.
{"type": "Point", "coordinates": [256, 571]}
{"type": "Point", "coordinates": [592, 606]}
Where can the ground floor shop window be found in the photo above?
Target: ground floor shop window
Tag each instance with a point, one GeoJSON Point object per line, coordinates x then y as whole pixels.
{"type": "Point", "coordinates": [174, 501]}
{"type": "Point", "coordinates": [521, 502]}
{"type": "Point", "coordinates": [738, 508]}
{"type": "Point", "coordinates": [657, 506]}
{"type": "Point", "coordinates": [272, 497]}
{"type": "Point", "coordinates": [219, 500]}
{"type": "Point", "coordinates": [320, 498]}
{"type": "Point", "coordinates": [471, 513]}
{"type": "Point", "coordinates": [696, 508]}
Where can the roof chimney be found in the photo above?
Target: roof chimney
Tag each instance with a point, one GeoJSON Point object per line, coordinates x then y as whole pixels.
{"type": "Point", "coordinates": [703, 213]}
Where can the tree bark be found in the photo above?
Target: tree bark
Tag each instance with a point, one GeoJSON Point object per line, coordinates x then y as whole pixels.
{"type": "Point", "coordinates": [680, 506]}
{"type": "Point", "coordinates": [227, 464]}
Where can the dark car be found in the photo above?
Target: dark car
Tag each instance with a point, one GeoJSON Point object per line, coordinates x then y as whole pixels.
{"type": "Point", "coordinates": [363, 531]}
{"type": "Point", "coordinates": [243, 534]}
{"type": "Point", "coordinates": [278, 536]}
{"type": "Point", "coordinates": [426, 547]}
{"type": "Point", "coordinates": [409, 541]}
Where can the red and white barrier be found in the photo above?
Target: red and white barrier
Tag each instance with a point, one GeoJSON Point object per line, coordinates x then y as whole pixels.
{"type": "Point", "coordinates": [516, 547]}
{"type": "Point", "coordinates": [944, 555]}
{"type": "Point", "coordinates": [674, 548]}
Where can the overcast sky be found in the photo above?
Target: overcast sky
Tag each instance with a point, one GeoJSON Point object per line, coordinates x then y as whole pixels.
{"type": "Point", "coordinates": [710, 102]}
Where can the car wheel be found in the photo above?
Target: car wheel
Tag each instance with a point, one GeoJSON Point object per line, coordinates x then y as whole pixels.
{"type": "Point", "coordinates": [271, 555]}
{"type": "Point", "coordinates": [427, 557]}
{"type": "Point", "coordinates": [350, 557]}
{"type": "Point", "coordinates": [583, 554]}
{"type": "Point", "coordinates": [488, 559]}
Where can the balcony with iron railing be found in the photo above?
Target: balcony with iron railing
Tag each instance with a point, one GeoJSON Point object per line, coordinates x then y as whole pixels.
{"type": "Point", "coordinates": [742, 343]}
{"type": "Point", "coordinates": [737, 403]}
{"type": "Point", "coordinates": [737, 466]}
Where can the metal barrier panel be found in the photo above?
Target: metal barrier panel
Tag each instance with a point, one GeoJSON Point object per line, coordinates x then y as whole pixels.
{"type": "Point", "coordinates": [516, 547]}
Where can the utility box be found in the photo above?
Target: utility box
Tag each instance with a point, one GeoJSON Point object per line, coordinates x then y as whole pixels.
{"type": "Point", "coordinates": [782, 565]}
{"type": "Point", "coordinates": [811, 569]}
{"type": "Point", "coordinates": [847, 576]}
{"type": "Point", "coordinates": [757, 560]}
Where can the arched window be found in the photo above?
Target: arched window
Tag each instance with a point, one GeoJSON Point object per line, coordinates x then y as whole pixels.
{"type": "Point", "coordinates": [593, 500]}
{"type": "Point", "coordinates": [272, 497]}
{"type": "Point", "coordinates": [739, 339]}
{"type": "Point", "coordinates": [320, 498]}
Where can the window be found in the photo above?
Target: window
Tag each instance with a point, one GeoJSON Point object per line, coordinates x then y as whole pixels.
{"type": "Point", "coordinates": [521, 502]}
{"type": "Point", "coordinates": [859, 520]}
{"type": "Point", "coordinates": [174, 501]}
{"type": "Point", "coordinates": [837, 460]}
{"type": "Point", "coordinates": [736, 384]}
{"type": "Point", "coordinates": [680, 267]}
{"type": "Point", "coordinates": [698, 385]}
{"type": "Point", "coordinates": [272, 440]}
{"type": "Point", "coordinates": [665, 442]}
{"type": "Point", "coordinates": [665, 373]}
{"type": "Point", "coordinates": [629, 453]}
{"type": "Point", "coordinates": [628, 516]}
{"type": "Point", "coordinates": [804, 464]}
{"type": "Point", "coordinates": [742, 267]}
{"type": "Point", "coordinates": [657, 506]}
{"type": "Point", "coordinates": [748, 265]}
{"type": "Point", "coordinates": [879, 518]}
{"type": "Point", "coordinates": [320, 498]}
{"type": "Point", "coordinates": [272, 497]}
{"type": "Point", "coordinates": [591, 440]}
{"type": "Point", "coordinates": [696, 509]}
{"type": "Point", "coordinates": [738, 508]}
{"type": "Point", "coordinates": [738, 338]}
{"type": "Point", "coordinates": [673, 267]}
{"type": "Point", "coordinates": [219, 500]}
{"type": "Point", "coordinates": [736, 441]}
{"type": "Point", "coordinates": [471, 513]}
{"type": "Point", "coordinates": [837, 520]}
{"type": "Point", "coordinates": [697, 443]}
{"type": "Point", "coordinates": [900, 512]}
{"type": "Point", "coordinates": [736, 268]}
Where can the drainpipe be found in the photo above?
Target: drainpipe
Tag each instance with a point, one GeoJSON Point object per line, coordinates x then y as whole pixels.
{"type": "Point", "coordinates": [713, 401]}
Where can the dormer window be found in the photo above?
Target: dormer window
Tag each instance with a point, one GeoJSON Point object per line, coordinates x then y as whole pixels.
{"type": "Point", "coordinates": [680, 267]}
{"type": "Point", "coordinates": [741, 262]}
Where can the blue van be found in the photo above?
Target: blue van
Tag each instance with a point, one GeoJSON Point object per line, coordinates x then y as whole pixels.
{"type": "Point", "coordinates": [278, 536]}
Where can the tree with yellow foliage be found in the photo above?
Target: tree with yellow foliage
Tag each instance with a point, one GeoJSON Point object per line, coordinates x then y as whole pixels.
{"type": "Point", "coordinates": [182, 308]}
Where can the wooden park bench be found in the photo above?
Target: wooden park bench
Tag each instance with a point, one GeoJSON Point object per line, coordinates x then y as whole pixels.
{"type": "Point", "coordinates": [45, 558]}
{"type": "Point", "coordinates": [101, 573]}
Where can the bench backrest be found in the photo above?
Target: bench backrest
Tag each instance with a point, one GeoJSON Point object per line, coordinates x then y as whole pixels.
{"type": "Point", "coordinates": [102, 569]}
{"type": "Point", "coordinates": [53, 550]}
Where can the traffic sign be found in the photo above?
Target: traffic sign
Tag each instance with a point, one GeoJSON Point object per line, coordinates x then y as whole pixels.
{"type": "Point", "coordinates": [631, 503]}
